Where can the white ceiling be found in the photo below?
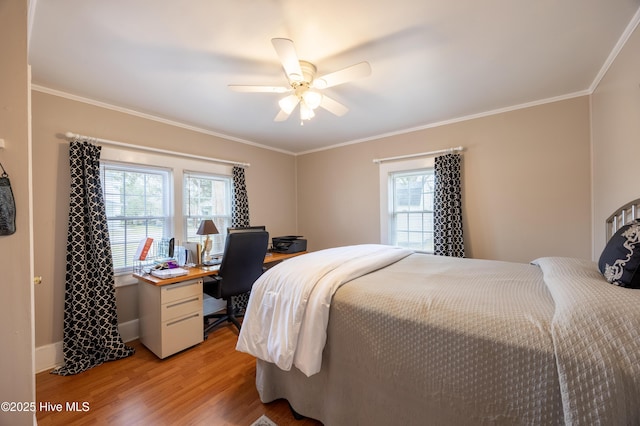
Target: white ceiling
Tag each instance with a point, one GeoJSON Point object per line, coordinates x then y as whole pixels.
{"type": "Point", "coordinates": [432, 60]}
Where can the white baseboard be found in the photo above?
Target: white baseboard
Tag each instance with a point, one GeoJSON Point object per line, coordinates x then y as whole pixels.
{"type": "Point", "coordinates": [50, 356]}
{"type": "Point", "coordinates": [129, 330]}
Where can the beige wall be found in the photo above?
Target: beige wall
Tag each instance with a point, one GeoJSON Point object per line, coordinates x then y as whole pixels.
{"type": "Point", "coordinates": [526, 184]}
{"type": "Point", "coordinates": [16, 356]}
{"type": "Point", "coordinates": [270, 183]}
{"type": "Point", "coordinates": [616, 138]}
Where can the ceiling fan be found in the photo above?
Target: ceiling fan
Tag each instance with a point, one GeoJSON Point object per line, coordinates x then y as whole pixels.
{"type": "Point", "coordinates": [304, 87]}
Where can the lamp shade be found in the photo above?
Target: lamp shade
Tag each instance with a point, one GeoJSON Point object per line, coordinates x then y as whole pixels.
{"type": "Point", "coordinates": [207, 227]}
{"type": "Point", "coordinates": [312, 99]}
{"type": "Point", "coordinates": [306, 113]}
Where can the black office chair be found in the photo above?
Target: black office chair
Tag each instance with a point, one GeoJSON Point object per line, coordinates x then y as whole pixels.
{"type": "Point", "coordinates": [242, 264]}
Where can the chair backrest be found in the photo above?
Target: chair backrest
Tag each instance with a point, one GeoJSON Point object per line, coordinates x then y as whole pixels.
{"type": "Point", "coordinates": [242, 261]}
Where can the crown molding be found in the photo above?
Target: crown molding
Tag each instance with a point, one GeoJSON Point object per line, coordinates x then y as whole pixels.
{"type": "Point", "coordinates": [616, 50]}
{"type": "Point", "coordinates": [456, 120]}
{"type": "Point", "coordinates": [105, 105]}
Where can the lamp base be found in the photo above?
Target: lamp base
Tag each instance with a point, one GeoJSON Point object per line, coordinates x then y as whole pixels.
{"type": "Point", "coordinates": [206, 250]}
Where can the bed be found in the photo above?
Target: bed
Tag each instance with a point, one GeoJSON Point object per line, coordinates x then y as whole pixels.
{"type": "Point", "coordinates": [379, 335]}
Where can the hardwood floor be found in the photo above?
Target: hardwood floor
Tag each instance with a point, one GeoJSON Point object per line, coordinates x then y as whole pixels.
{"type": "Point", "coordinates": [209, 384]}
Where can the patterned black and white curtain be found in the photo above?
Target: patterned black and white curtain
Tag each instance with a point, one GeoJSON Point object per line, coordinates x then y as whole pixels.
{"type": "Point", "coordinates": [240, 208]}
{"type": "Point", "coordinates": [240, 218]}
{"type": "Point", "coordinates": [447, 207]}
{"type": "Point", "coordinates": [91, 334]}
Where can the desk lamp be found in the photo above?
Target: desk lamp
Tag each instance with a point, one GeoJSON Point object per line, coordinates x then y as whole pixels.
{"type": "Point", "coordinates": [207, 227]}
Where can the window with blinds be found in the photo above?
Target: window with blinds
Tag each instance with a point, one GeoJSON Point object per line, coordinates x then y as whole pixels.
{"type": "Point", "coordinates": [137, 201]}
{"type": "Point", "coordinates": [411, 209]}
{"type": "Point", "coordinates": [207, 196]}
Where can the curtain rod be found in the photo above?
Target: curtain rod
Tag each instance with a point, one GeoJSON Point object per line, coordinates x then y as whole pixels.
{"type": "Point", "coordinates": [70, 135]}
{"type": "Point", "coordinates": [421, 154]}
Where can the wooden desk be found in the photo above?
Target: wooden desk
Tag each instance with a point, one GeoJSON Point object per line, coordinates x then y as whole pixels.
{"type": "Point", "coordinates": [170, 309]}
{"type": "Point", "coordinates": [204, 271]}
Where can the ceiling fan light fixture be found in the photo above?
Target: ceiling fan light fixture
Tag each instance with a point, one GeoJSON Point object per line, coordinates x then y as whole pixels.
{"type": "Point", "coordinates": [312, 99]}
{"type": "Point", "coordinates": [306, 113]}
{"type": "Point", "coordinates": [288, 103]}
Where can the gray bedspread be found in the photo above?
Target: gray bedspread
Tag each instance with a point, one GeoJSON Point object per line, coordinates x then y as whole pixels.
{"type": "Point", "coordinates": [434, 340]}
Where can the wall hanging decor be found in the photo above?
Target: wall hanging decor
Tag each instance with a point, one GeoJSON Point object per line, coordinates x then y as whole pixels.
{"type": "Point", "coordinates": [7, 205]}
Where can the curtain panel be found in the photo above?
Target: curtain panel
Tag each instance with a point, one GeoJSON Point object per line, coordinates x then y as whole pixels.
{"type": "Point", "coordinates": [91, 334]}
{"type": "Point", "coordinates": [447, 206]}
{"type": "Point", "coordinates": [240, 218]}
{"type": "Point", "coordinates": [240, 206]}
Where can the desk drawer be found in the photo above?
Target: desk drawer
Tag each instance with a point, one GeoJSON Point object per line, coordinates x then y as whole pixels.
{"type": "Point", "coordinates": [181, 333]}
{"type": "Point", "coordinates": [179, 308]}
{"type": "Point", "coordinates": [182, 290]}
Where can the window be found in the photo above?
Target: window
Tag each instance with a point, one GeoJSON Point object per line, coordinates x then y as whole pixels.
{"type": "Point", "coordinates": [207, 196]}
{"type": "Point", "coordinates": [146, 196]}
{"type": "Point", "coordinates": [407, 190]}
{"type": "Point", "coordinates": [412, 209]}
{"type": "Point", "coordinates": [137, 201]}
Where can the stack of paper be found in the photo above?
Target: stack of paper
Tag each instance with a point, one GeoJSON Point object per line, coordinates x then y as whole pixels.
{"type": "Point", "coordinates": [169, 273]}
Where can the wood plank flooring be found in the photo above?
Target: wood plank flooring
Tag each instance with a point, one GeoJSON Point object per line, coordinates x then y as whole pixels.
{"type": "Point", "coordinates": [209, 384]}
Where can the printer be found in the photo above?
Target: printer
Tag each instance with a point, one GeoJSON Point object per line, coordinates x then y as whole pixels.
{"type": "Point", "coordinates": [289, 244]}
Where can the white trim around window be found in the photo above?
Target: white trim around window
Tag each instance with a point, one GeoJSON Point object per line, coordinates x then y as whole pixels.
{"type": "Point", "coordinates": [178, 167]}
{"type": "Point", "coordinates": [386, 169]}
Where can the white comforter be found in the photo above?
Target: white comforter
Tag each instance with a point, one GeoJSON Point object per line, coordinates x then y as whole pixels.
{"type": "Point", "coordinates": [288, 311]}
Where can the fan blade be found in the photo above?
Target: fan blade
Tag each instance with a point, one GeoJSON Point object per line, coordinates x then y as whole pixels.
{"type": "Point", "coordinates": [287, 53]}
{"type": "Point", "coordinates": [282, 116]}
{"type": "Point", "coordinates": [363, 69]}
{"type": "Point", "coordinates": [288, 103]}
{"type": "Point", "coordinates": [333, 106]}
{"type": "Point", "coordinates": [258, 89]}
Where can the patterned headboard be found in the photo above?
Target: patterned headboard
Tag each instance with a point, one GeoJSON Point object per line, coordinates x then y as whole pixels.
{"type": "Point", "coordinates": [622, 216]}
